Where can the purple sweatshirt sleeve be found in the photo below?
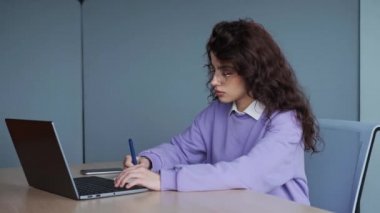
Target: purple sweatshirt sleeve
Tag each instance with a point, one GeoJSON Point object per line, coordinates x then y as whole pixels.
{"type": "Point", "coordinates": [269, 164]}
{"type": "Point", "coordinates": [185, 148]}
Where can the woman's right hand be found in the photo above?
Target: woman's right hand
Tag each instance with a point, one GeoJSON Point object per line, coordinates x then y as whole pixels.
{"type": "Point", "coordinates": [145, 162]}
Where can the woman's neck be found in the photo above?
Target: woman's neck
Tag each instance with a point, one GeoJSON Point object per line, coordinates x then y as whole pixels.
{"type": "Point", "coordinates": [243, 103]}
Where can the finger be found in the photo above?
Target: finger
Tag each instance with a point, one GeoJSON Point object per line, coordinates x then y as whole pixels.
{"type": "Point", "coordinates": [124, 179]}
{"type": "Point", "coordinates": [135, 167]}
{"type": "Point", "coordinates": [145, 181]}
{"type": "Point", "coordinates": [137, 173]}
{"type": "Point", "coordinates": [127, 176]}
{"type": "Point", "coordinates": [119, 178]}
{"type": "Point", "coordinates": [134, 182]}
{"type": "Point", "coordinates": [145, 162]}
{"type": "Point", "coordinates": [128, 161]}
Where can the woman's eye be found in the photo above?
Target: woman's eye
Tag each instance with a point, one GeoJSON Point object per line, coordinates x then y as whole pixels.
{"type": "Point", "coordinates": [227, 74]}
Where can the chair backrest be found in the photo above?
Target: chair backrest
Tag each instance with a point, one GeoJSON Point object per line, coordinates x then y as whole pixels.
{"type": "Point", "coordinates": [336, 174]}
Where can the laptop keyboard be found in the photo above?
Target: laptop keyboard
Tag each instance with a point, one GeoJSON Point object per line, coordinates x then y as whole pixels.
{"type": "Point", "coordinates": [97, 185]}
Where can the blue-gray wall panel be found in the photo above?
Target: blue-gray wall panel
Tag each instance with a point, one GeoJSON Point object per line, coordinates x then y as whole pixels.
{"type": "Point", "coordinates": [369, 95]}
{"type": "Point", "coordinates": [40, 69]}
{"type": "Point", "coordinates": [143, 63]}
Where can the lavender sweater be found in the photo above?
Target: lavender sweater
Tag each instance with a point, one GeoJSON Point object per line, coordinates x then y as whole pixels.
{"type": "Point", "coordinates": [223, 150]}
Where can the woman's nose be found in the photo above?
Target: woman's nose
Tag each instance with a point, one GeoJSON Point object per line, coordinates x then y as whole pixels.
{"type": "Point", "coordinates": [215, 81]}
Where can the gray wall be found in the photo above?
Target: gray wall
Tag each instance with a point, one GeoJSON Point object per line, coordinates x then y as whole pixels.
{"type": "Point", "coordinates": [369, 94]}
{"type": "Point", "coordinates": [143, 63]}
{"type": "Point", "coordinates": [40, 70]}
{"type": "Point", "coordinates": [369, 60]}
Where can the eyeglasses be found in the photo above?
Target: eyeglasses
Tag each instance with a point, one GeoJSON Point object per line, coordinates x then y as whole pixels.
{"type": "Point", "coordinates": [222, 74]}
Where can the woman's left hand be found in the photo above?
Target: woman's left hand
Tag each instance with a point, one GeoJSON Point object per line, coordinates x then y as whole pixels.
{"type": "Point", "coordinates": [138, 175]}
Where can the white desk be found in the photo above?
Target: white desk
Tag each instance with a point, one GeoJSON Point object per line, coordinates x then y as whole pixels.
{"type": "Point", "coordinates": [17, 196]}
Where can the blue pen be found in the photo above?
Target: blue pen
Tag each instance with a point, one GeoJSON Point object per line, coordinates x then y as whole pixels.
{"type": "Point", "coordinates": [132, 150]}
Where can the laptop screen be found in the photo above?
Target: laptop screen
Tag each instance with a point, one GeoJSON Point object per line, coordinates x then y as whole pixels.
{"type": "Point", "coordinates": [41, 156]}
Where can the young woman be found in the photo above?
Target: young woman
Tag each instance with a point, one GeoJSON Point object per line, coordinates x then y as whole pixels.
{"type": "Point", "coordinates": [251, 136]}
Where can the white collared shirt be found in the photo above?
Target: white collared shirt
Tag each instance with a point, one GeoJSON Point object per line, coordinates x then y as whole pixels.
{"type": "Point", "coordinates": [255, 109]}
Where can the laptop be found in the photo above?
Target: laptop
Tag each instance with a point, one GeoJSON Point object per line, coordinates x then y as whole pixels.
{"type": "Point", "coordinates": [45, 167]}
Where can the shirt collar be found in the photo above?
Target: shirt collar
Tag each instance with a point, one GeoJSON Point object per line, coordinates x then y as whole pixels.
{"type": "Point", "coordinates": [255, 109]}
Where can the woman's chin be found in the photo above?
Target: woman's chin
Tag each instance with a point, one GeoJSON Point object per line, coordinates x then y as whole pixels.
{"type": "Point", "coordinates": [225, 100]}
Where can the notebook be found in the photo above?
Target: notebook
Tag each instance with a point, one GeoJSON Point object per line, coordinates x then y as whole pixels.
{"type": "Point", "coordinates": [45, 167]}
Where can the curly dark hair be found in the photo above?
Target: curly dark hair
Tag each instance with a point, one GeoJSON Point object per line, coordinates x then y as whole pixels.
{"type": "Point", "coordinates": [267, 74]}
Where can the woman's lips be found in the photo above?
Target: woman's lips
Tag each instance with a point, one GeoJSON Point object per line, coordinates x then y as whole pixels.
{"type": "Point", "coordinates": [218, 93]}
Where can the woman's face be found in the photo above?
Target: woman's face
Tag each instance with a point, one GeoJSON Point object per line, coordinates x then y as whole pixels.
{"type": "Point", "coordinates": [227, 84]}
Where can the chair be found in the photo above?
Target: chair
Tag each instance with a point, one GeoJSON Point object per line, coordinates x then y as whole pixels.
{"type": "Point", "coordinates": [336, 175]}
